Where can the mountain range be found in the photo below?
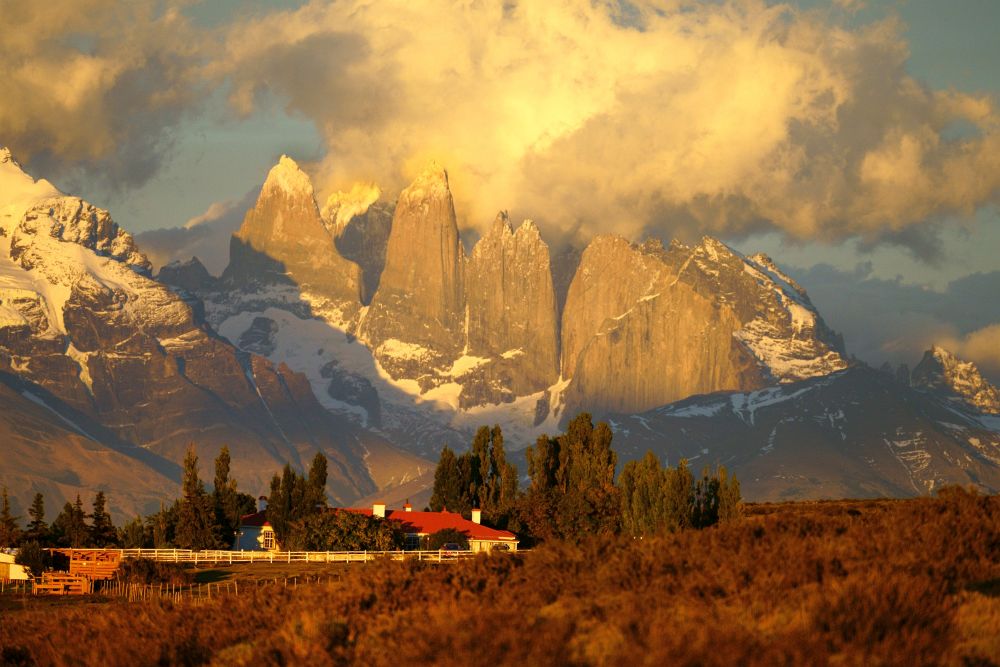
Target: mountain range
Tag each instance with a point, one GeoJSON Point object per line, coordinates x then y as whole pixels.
{"type": "Point", "coordinates": [366, 330]}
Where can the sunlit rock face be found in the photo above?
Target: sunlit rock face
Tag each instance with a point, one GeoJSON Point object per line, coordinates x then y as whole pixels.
{"type": "Point", "coordinates": [416, 320]}
{"type": "Point", "coordinates": [644, 326]}
{"type": "Point", "coordinates": [511, 314]}
{"type": "Point", "coordinates": [941, 371]}
{"type": "Point", "coordinates": [283, 240]}
{"type": "Point", "coordinates": [83, 324]}
{"type": "Point", "coordinates": [360, 224]}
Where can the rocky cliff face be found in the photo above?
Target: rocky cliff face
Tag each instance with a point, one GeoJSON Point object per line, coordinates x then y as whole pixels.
{"type": "Point", "coordinates": [82, 324]}
{"type": "Point", "coordinates": [943, 372]}
{"type": "Point", "coordinates": [283, 240]}
{"type": "Point", "coordinates": [511, 313]}
{"type": "Point", "coordinates": [416, 320]}
{"type": "Point", "coordinates": [360, 225]}
{"type": "Point", "coordinates": [644, 326]}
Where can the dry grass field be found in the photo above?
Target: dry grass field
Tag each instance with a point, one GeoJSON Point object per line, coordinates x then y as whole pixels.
{"type": "Point", "coordinates": [913, 582]}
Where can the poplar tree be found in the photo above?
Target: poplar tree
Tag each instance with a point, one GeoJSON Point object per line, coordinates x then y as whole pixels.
{"type": "Point", "coordinates": [195, 528]}
{"type": "Point", "coordinates": [679, 496]}
{"type": "Point", "coordinates": [316, 483]}
{"type": "Point", "coordinates": [643, 496]}
{"type": "Point", "coordinates": [573, 490]}
{"type": "Point", "coordinates": [225, 501]}
{"type": "Point", "coordinates": [447, 493]}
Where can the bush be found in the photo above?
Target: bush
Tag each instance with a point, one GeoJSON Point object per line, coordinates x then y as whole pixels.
{"type": "Point", "coordinates": [447, 536]}
{"type": "Point", "coordinates": [32, 556]}
{"type": "Point", "coordinates": [147, 571]}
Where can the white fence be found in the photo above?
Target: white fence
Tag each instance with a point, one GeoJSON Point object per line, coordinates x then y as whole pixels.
{"type": "Point", "coordinates": [216, 556]}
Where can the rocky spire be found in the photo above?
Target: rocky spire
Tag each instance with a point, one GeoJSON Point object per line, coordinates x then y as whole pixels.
{"type": "Point", "coordinates": [512, 305]}
{"type": "Point", "coordinates": [283, 239]}
{"type": "Point", "coordinates": [420, 297]}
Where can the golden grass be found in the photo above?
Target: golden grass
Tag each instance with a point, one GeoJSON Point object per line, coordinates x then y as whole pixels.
{"type": "Point", "coordinates": [853, 583]}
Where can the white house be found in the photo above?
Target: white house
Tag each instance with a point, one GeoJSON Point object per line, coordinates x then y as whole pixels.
{"type": "Point", "coordinates": [10, 570]}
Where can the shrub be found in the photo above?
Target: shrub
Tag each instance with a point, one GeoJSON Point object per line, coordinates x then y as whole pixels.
{"type": "Point", "coordinates": [446, 536]}
{"type": "Point", "coordinates": [148, 571]}
{"type": "Point", "coordinates": [34, 557]}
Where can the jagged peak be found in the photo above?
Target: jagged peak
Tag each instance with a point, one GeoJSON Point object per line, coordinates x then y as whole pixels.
{"type": "Point", "coordinates": [528, 228]}
{"type": "Point", "coordinates": [432, 182]}
{"type": "Point", "coordinates": [712, 247]}
{"type": "Point", "coordinates": [288, 177]}
{"type": "Point", "coordinates": [6, 156]}
{"type": "Point", "coordinates": [193, 262]}
{"type": "Point", "coordinates": [939, 352]}
{"type": "Point", "coordinates": [341, 207]}
{"type": "Point", "coordinates": [942, 369]}
{"type": "Point", "coordinates": [501, 224]}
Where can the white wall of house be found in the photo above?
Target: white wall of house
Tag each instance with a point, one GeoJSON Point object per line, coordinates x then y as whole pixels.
{"type": "Point", "coordinates": [10, 570]}
{"type": "Point", "coordinates": [489, 545]}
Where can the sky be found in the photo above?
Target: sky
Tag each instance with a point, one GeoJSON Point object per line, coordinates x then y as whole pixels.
{"type": "Point", "coordinates": [855, 141]}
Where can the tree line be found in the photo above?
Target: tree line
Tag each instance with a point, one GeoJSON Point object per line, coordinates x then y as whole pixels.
{"type": "Point", "coordinates": [199, 519]}
{"type": "Point", "coordinates": [572, 490]}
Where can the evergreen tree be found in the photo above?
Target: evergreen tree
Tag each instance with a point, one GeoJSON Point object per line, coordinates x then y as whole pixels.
{"type": "Point", "coordinates": [195, 528]}
{"type": "Point", "coordinates": [38, 530]}
{"type": "Point", "coordinates": [705, 510]}
{"type": "Point", "coordinates": [102, 530]}
{"type": "Point", "coordinates": [163, 526]}
{"type": "Point", "coordinates": [135, 535]}
{"type": "Point", "coordinates": [70, 528]}
{"type": "Point", "coordinates": [9, 532]}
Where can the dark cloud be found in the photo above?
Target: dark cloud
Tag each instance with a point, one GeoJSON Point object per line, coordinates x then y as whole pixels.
{"type": "Point", "coordinates": [889, 320]}
{"type": "Point", "coordinates": [205, 237]}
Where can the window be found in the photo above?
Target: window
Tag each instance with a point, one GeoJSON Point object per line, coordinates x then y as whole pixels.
{"type": "Point", "coordinates": [268, 539]}
{"type": "Point", "coordinates": [412, 542]}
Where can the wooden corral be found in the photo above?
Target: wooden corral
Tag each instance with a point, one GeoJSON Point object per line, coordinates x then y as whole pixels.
{"type": "Point", "coordinates": [96, 564]}
{"type": "Point", "coordinates": [60, 583]}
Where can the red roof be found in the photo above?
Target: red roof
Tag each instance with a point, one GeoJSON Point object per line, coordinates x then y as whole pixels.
{"type": "Point", "coordinates": [255, 519]}
{"type": "Point", "coordinates": [426, 523]}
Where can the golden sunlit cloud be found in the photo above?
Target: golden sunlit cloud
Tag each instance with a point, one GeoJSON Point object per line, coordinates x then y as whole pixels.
{"type": "Point", "coordinates": [678, 118]}
{"type": "Point", "coordinates": [671, 117]}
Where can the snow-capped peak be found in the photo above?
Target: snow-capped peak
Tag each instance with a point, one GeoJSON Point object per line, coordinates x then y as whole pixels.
{"type": "Point", "coordinates": [288, 177]}
{"type": "Point", "coordinates": [940, 369]}
{"type": "Point", "coordinates": [18, 190]}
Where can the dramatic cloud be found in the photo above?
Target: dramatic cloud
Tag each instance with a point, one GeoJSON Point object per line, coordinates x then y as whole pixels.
{"type": "Point", "coordinates": [889, 320]}
{"type": "Point", "coordinates": [96, 85]}
{"type": "Point", "coordinates": [205, 236]}
{"type": "Point", "coordinates": [674, 117]}
{"type": "Point", "coordinates": [667, 116]}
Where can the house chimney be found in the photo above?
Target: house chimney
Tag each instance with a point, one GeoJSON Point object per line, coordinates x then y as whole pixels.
{"type": "Point", "coordinates": [261, 503]}
{"type": "Point", "coordinates": [407, 507]}
{"type": "Point", "coordinates": [378, 509]}
{"type": "Point", "coordinates": [477, 516]}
